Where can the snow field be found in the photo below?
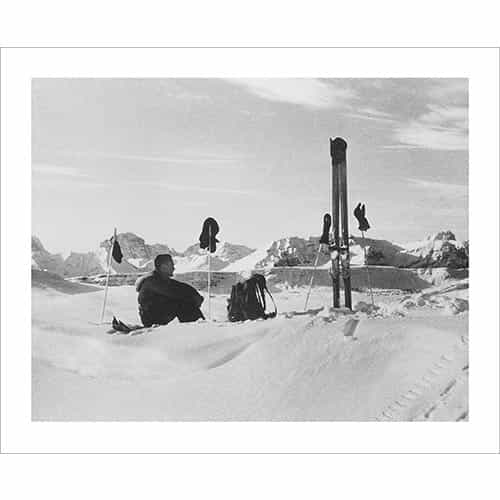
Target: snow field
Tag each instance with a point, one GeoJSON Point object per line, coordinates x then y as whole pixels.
{"type": "Point", "coordinates": [313, 365]}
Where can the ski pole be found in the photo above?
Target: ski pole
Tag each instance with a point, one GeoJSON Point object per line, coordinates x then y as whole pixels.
{"type": "Point", "coordinates": [113, 239]}
{"type": "Point", "coordinates": [209, 300]}
{"type": "Point", "coordinates": [312, 277]}
{"type": "Point", "coordinates": [366, 267]}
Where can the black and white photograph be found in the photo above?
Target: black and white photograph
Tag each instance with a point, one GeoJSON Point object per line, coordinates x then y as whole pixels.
{"type": "Point", "coordinates": [250, 249]}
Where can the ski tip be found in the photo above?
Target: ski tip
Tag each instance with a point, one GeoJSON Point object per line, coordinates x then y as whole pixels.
{"type": "Point", "coordinates": [338, 147]}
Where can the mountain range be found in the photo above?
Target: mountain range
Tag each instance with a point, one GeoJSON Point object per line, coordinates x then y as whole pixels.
{"type": "Point", "coordinates": [438, 250]}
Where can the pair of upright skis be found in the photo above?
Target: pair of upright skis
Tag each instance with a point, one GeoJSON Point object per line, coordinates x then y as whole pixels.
{"type": "Point", "coordinates": [337, 237]}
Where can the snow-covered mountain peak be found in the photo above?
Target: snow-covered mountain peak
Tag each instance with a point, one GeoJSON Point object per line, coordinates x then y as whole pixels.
{"type": "Point", "coordinates": [194, 258]}
{"type": "Point", "coordinates": [442, 236]}
{"type": "Point", "coordinates": [438, 250]}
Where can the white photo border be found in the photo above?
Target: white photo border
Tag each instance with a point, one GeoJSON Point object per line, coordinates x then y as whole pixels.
{"type": "Point", "coordinates": [20, 434]}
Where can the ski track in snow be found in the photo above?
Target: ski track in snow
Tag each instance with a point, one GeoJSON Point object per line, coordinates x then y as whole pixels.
{"type": "Point", "coordinates": [435, 389]}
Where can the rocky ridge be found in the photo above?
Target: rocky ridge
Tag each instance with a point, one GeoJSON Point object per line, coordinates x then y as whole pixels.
{"type": "Point", "coordinates": [441, 250]}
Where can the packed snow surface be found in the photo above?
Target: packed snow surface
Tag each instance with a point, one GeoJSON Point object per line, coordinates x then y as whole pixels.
{"type": "Point", "coordinates": [404, 358]}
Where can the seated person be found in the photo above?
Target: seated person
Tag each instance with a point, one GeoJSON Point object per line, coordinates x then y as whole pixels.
{"type": "Point", "coordinates": [161, 298]}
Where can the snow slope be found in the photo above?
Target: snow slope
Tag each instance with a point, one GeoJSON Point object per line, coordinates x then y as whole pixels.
{"type": "Point", "coordinates": [250, 261]}
{"type": "Point", "coordinates": [400, 361]}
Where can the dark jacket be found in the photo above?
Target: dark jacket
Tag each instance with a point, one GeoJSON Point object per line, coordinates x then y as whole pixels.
{"type": "Point", "coordinates": [154, 291]}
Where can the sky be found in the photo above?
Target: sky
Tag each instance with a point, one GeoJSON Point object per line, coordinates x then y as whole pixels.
{"type": "Point", "coordinates": [157, 156]}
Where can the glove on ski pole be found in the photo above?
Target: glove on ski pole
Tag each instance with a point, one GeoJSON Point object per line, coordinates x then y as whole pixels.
{"type": "Point", "coordinates": [324, 240]}
{"type": "Point", "coordinates": [208, 233]}
{"type": "Point", "coordinates": [359, 213]}
{"type": "Point", "coordinates": [325, 236]}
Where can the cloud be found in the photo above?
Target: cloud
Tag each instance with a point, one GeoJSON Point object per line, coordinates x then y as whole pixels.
{"type": "Point", "coordinates": [440, 127]}
{"type": "Point", "coordinates": [193, 159]}
{"type": "Point", "coordinates": [57, 170]}
{"type": "Point", "coordinates": [444, 189]}
{"type": "Point", "coordinates": [188, 96]}
{"type": "Point", "coordinates": [51, 176]}
{"type": "Point", "coordinates": [308, 92]}
{"type": "Point", "coordinates": [449, 91]}
{"type": "Point", "coordinates": [450, 116]}
{"type": "Point", "coordinates": [397, 147]}
{"type": "Point", "coordinates": [376, 113]}
{"type": "Point", "coordinates": [197, 189]}
{"type": "Point", "coordinates": [371, 114]}
{"type": "Point", "coordinates": [419, 136]}
{"type": "Point", "coordinates": [44, 183]}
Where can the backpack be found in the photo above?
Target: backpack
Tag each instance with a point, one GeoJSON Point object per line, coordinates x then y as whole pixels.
{"type": "Point", "coordinates": [248, 300]}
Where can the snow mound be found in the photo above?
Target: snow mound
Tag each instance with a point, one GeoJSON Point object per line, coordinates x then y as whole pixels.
{"type": "Point", "coordinates": [446, 300]}
{"type": "Point", "coordinates": [366, 308]}
{"type": "Point", "coordinates": [320, 364]}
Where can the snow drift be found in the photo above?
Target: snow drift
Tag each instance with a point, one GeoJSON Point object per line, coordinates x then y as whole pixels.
{"type": "Point", "coordinates": [405, 360]}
